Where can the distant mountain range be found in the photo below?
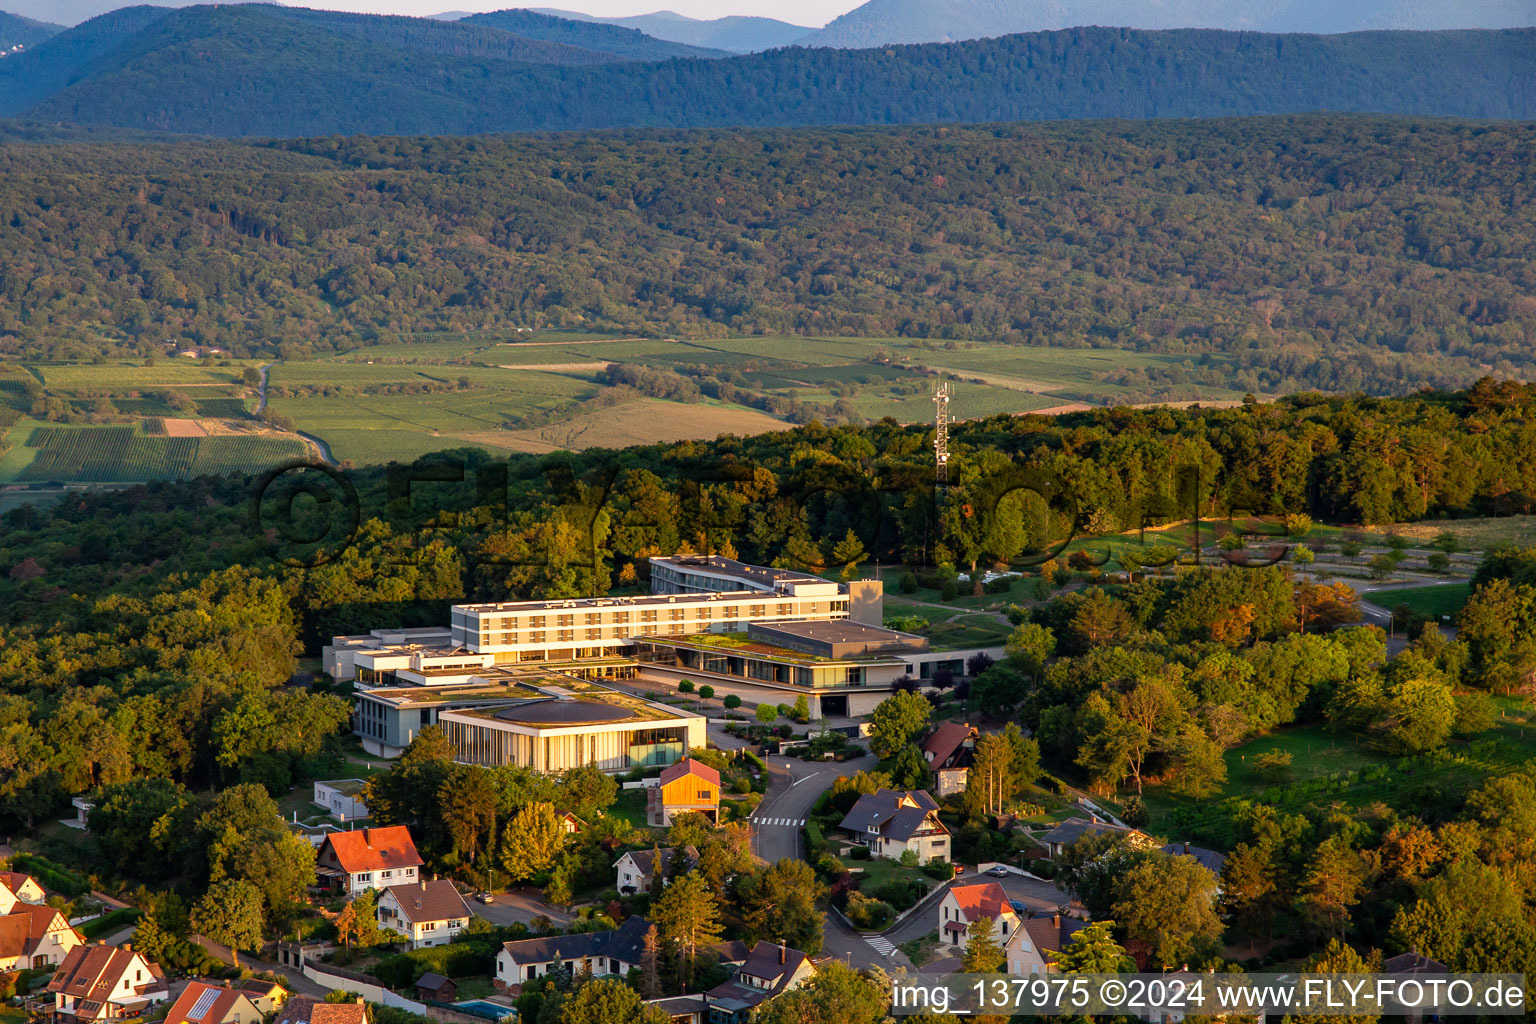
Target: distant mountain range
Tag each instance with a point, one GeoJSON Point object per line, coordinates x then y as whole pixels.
{"type": "Point", "coordinates": [628, 43]}
{"type": "Point", "coordinates": [880, 22]}
{"type": "Point", "coordinates": [256, 70]}
{"type": "Point", "coordinates": [735, 34]}
{"type": "Point", "coordinates": [16, 31]}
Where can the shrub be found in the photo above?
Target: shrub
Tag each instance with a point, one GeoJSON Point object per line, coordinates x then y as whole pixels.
{"type": "Point", "coordinates": [742, 785]}
{"type": "Point", "coordinates": [707, 692]}
{"type": "Point", "coordinates": [866, 913]}
{"type": "Point", "coordinates": [786, 731]}
{"type": "Point", "coordinates": [939, 868]}
{"type": "Point", "coordinates": [686, 686]}
{"type": "Point", "coordinates": [1001, 585]}
{"type": "Point", "coordinates": [908, 858]}
{"type": "Point", "coordinates": [950, 591]}
{"type": "Point", "coordinates": [860, 853]}
{"type": "Point", "coordinates": [899, 893]}
{"type": "Point", "coordinates": [732, 702]}
{"type": "Point", "coordinates": [1273, 765]}
{"type": "Point", "coordinates": [908, 584]}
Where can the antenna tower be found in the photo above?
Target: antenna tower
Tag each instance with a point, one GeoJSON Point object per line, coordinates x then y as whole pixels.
{"type": "Point", "coordinates": [941, 434]}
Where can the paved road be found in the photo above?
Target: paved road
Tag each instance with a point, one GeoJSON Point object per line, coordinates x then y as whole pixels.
{"type": "Point", "coordinates": [517, 906]}
{"type": "Point", "coordinates": [793, 787]}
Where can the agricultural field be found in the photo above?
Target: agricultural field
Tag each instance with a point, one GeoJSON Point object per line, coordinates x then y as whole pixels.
{"type": "Point", "coordinates": [507, 392]}
{"type": "Point", "coordinates": [114, 454]}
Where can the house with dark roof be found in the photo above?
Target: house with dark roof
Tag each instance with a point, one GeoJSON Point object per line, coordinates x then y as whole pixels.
{"type": "Point", "coordinates": [683, 1009]}
{"type": "Point", "coordinates": [606, 952]}
{"type": "Point", "coordinates": [426, 913]}
{"type": "Point", "coordinates": [949, 751]}
{"type": "Point", "coordinates": [1028, 949]}
{"type": "Point", "coordinates": [99, 983]}
{"type": "Point", "coordinates": [1070, 831]}
{"type": "Point", "coordinates": [35, 936]}
{"type": "Point", "coordinates": [964, 905]}
{"type": "Point", "coordinates": [436, 987]}
{"type": "Point", "coordinates": [368, 858]}
{"type": "Point", "coordinates": [309, 1010]}
{"type": "Point", "coordinates": [202, 1003]}
{"type": "Point", "coordinates": [633, 871]}
{"type": "Point", "coordinates": [1413, 962]}
{"type": "Point", "coordinates": [687, 787]}
{"type": "Point", "coordinates": [769, 970]}
{"type": "Point", "coordinates": [891, 822]}
{"type": "Point", "coordinates": [1208, 859]}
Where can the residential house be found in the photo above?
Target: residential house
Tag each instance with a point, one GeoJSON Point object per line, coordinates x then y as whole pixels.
{"type": "Point", "coordinates": [436, 988]}
{"type": "Point", "coordinates": [1208, 859]}
{"type": "Point", "coordinates": [1028, 949]}
{"type": "Point", "coordinates": [769, 970]}
{"type": "Point", "coordinates": [22, 886]}
{"type": "Point", "coordinates": [949, 751]}
{"type": "Point", "coordinates": [342, 798]}
{"type": "Point", "coordinates": [633, 871]}
{"type": "Point", "coordinates": [891, 822]}
{"type": "Point", "coordinates": [202, 1003]}
{"type": "Point", "coordinates": [964, 905]}
{"type": "Point", "coordinates": [97, 983]}
{"type": "Point", "coordinates": [426, 913]}
{"type": "Point", "coordinates": [268, 996]}
{"type": "Point", "coordinates": [569, 823]}
{"type": "Point", "coordinates": [35, 936]}
{"type": "Point", "coordinates": [1070, 831]}
{"type": "Point", "coordinates": [309, 1010]}
{"type": "Point", "coordinates": [688, 786]}
{"type": "Point", "coordinates": [683, 1009]}
{"type": "Point", "coordinates": [369, 858]}
{"type": "Point", "coordinates": [1413, 962]}
{"type": "Point", "coordinates": [607, 952]}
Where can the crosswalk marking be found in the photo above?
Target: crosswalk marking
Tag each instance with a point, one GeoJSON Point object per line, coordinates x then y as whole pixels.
{"type": "Point", "coordinates": [881, 944]}
{"type": "Point", "coordinates": [793, 822]}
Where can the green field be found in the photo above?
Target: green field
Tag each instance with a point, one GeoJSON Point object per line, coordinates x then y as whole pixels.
{"type": "Point", "coordinates": [113, 454]}
{"type": "Point", "coordinates": [1426, 602]}
{"type": "Point", "coordinates": [504, 391]}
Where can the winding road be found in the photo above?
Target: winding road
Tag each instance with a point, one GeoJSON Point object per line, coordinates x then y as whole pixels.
{"type": "Point", "coordinates": [320, 446]}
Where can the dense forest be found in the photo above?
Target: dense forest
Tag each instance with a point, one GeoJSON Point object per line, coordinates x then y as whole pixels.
{"type": "Point", "coordinates": [173, 666]}
{"type": "Point", "coordinates": [1320, 252]}
{"type": "Point", "coordinates": [256, 70]}
{"type": "Point", "coordinates": [16, 31]}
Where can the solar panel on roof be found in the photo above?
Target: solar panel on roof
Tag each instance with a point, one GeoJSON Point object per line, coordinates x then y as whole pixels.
{"type": "Point", "coordinates": [204, 1004]}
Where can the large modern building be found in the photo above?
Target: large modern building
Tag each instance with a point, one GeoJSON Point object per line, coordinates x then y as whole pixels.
{"type": "Point", "coordinates": [693, 594]}
{"type": "Point", "coordinates": [842, 667]}
{"type": "Point", "coordinates": [579, 725]}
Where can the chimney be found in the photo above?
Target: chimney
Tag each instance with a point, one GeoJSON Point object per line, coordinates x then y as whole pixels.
{"type": "Point", "coordinates": [127, 947]}
{"type": "Point", "coordinates": [1056, 921]}
{"type": "Point", "coordinates": [1093, 817]}
{"type": "Point", "coordinates": [781, 955]}
{"type": "Point", "coordinates": [1186, 846]}
{"type": "Point", "coordinates": [367, 839]}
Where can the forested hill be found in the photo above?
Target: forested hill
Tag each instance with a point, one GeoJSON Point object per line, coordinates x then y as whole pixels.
{"type": "Point", "coordinates": [1323, 251]}
{"type": "Point", "coordinates": [629, 43]}
{"type": "Point", "coordinates": [18, 31]}
{"type": "Point", "coordinates": [255, 71]}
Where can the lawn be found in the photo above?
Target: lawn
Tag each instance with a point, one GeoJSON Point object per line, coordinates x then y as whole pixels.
{"type": "Point", "coordinates": [1426, 602]}
{"type": "Point", "coordinates": [630, 806]}
{"type": "Point", "coordinates": [1330, 768]}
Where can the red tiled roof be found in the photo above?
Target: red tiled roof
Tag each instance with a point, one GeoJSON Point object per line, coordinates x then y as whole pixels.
{"type": "Point", "coordinates": [369, 849]}
{"type": "Point", "coordinates": [92, 972]}
{"type": "Point", "coordinates": [37, 920]}
{"type": "Point", "coordinates": [944, 741]}
{"type": "Point", "coordinates": [985, 899]}
{"type": "Point", "coordinates": [192, 1008]}
{"type": "Point", "coordinates": [308, 1010]}
{"type": "Point", "coordinates": [13, 936]}
{"type": "Point", "coordinates": [688, 766]}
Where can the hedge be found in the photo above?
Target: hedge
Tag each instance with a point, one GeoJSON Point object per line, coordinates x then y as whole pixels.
{"type": "Point", "coordinates": [108, 923]}
{"type": "Point", "coordinates": [51, 875]}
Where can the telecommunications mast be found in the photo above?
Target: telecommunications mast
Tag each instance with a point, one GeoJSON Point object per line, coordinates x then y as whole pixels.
{"type": "Point", "coordinates": [941, 434]}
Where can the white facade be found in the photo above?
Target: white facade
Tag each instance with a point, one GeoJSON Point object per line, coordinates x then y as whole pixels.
{"type": "Point", "coordinates": [342, 799]}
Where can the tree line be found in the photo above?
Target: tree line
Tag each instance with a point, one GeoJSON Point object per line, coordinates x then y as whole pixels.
{"type": "Point", "coordinates": [1272, 255]}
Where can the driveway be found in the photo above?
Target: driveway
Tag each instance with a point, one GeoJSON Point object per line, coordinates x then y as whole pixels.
{"type": "Point", "coordinates": [1040, 896]}
{"type": "Point", "coordinates": [517, 906]}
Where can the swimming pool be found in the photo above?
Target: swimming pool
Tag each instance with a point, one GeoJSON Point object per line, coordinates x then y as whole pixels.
{"type": "Point", "coordinates": [481, 1008]}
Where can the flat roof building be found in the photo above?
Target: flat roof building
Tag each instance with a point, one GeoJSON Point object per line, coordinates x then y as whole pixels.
{"type": "Point", "coordinates": [583, 725]}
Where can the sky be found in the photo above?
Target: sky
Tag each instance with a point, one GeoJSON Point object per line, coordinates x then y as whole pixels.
{"type": "Point", "coordinates": [814, 13]}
